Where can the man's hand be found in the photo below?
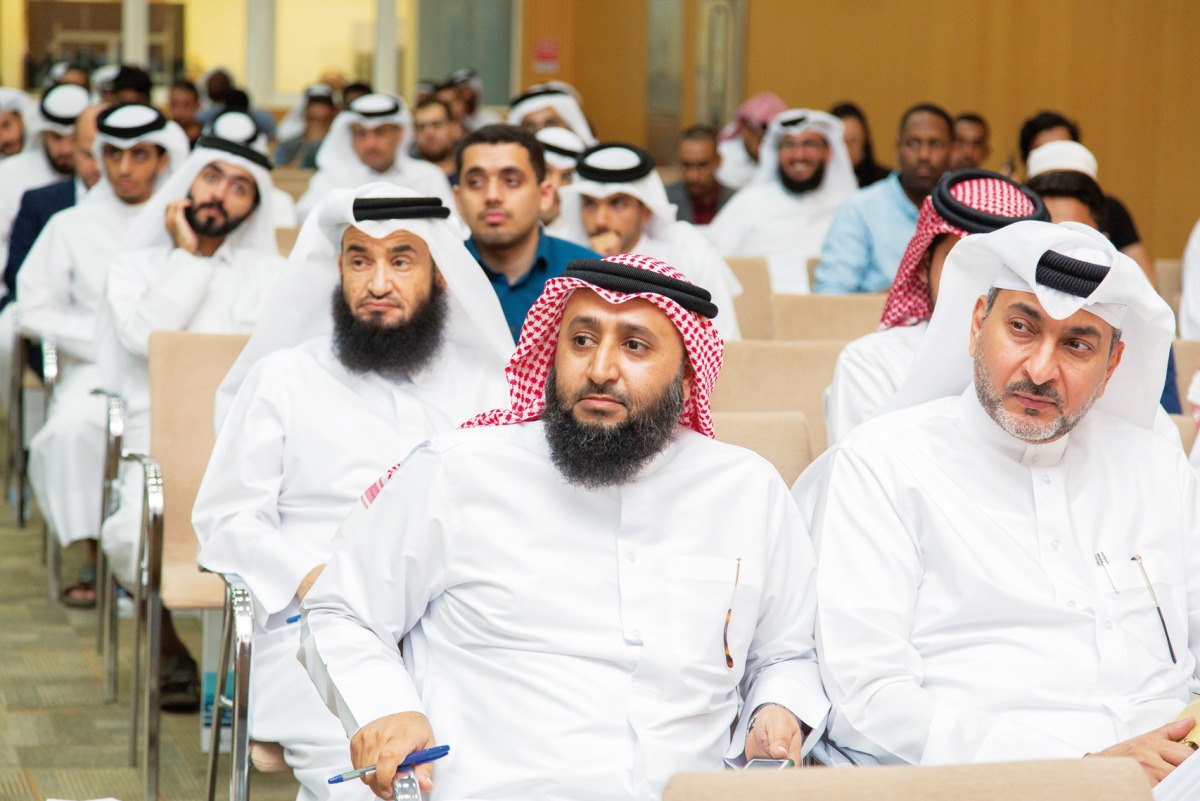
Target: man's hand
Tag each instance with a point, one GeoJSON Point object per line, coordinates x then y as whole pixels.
{"type": "Point", "coordinates": [775, 734]}
{"type": "Point", "coordinates": [177, 226]}
{"type": "Point", "coordinates": [606, 243]}
{"type": "Point", "coordinates": [306, 583]}
{"type": "Point", "coordinates": [1158, 752]}
{"type": "Point", "coordinates": [386, 742]}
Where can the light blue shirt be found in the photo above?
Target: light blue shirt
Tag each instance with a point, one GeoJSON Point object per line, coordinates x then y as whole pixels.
{"type": "Point", "coordinates": [867, 239]}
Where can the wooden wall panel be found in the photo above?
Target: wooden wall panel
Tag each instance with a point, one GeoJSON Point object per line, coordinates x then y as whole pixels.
{"type": "Point", "coordinates": [1124, 69]}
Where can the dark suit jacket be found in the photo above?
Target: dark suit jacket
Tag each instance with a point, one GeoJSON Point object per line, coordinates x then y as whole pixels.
{"type": "Point", "coordinates": [37, 207]}
{"type": "Point", "coordinates": [677, 195]}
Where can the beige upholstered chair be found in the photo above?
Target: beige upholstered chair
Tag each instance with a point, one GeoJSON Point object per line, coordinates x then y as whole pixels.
{"type": "Point", "coordinates": [778, 377]}
{"type": "Point", "coordinates": [1061, 780]}
{"type": "Point", "coordinates": [753, 306]}
{"type": "Point", "coordinates": [779, 437]}
{"type": "Point", "coordinates": [292, 180]}
{"type": "Point", "coordinates": [843, 317]}
{"type": "Point", "coordinates": [1187, 361]}
{"type": "Point", "coordinates": [1169, 277]}
{"type": "Point", "coordinates": [1187, 428]}
{"type": "Point", "coordinates": [185, 370]}
{"type": "Point", "coordinates": [286, 239]}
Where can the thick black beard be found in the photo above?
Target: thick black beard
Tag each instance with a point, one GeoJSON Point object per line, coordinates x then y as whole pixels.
{"type": "Point", "coordinates": [594, 456]}
{"type": "Point", "coordinates": [212, 228]}
{"type": "Point", "coordinates": [800, 187]}
{"type": "Point", "coordinates": [363, 347]}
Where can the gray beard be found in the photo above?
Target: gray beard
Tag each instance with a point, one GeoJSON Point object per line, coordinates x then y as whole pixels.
{"type": "Point", "coordinates": [1027, 429]}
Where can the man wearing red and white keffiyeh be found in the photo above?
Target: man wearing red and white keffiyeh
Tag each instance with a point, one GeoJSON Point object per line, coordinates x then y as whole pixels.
{"type": "Point", "coordinates": [584, 572]}
{"type": "Point", "coordinates": [870, 370]}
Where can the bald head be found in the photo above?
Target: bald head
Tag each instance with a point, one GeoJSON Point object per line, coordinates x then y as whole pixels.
{"type": "Point", "coordinates": [85, 135]}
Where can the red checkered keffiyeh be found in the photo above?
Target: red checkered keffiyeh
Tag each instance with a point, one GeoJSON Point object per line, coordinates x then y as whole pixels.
{"type": "Point", "coordinates": [534, 356]}
{"type": "Point", "coordinates": [908, 301]}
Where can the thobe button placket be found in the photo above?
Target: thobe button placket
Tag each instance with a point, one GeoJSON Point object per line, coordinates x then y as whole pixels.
{"type": "Point", "coordinates": [631, 556]}
{"type": "Point", "coordinates": [1045, 479]}
{"type": "Point", "coordinates": [1054, 545]}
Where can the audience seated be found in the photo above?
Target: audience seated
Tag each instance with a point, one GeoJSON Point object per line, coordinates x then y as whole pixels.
{"type": "Point", "coordinates": [698, 196]}
{"type": "Point", "coordinates": [303, 130]}
{"type": "Point", "coordinates": [563, 565]}
{"type": "Point", "coordinates": [61, 286]}
{"type": "Point", "coordinates": [561, 147]}
{"type": "Point", "coordinates": [501, 193]}
{"type": "Point", "coordinates": [740, 139]}
{"type": "Point", "coordinates": [200, 256]}
{"type": "Point", "coordinates": [859, 144]}
{"type": "Point", "coordinates": [869, 231]}
{"type": "Point", "coordinates": [369, 142]}
{"type": "Point", "coordinates": [436, 135]}
{"type": "Point", "coordinates": [995, 583]}
{"type": "Point", "coordinates": [369, 329]}
{"type": "Point", "coordinates": [871, 369]}
{"type": "Point", "coordinates": [804, 174]}
{"type": "Point", "coordinates": [617, 204]}
{"type": "Point", "coordinates": [971, 145]}
{"type": "Point", "coordinates": [1116, 222]}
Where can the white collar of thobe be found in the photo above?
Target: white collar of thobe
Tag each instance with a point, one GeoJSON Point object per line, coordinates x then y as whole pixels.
{"type": "Point", "coordinates": [980, 423]}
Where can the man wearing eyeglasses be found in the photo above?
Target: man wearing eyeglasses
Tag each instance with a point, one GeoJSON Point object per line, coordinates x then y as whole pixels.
{"type": "Point", "coordinates": [1008, 559]}
{"type": "Point", "coordinates": [583, 584]}
{"type": "Point", "coordinates": [870, 231]}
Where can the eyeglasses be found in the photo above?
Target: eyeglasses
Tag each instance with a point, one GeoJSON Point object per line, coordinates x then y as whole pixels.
{"type": "Point", "coordinates": [1153, 597]}
{"type": "Point", "coordinates": [729, 614]}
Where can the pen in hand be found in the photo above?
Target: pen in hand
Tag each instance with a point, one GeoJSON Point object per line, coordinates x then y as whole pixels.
{"type": "Point", "coordinates": [410, 761]}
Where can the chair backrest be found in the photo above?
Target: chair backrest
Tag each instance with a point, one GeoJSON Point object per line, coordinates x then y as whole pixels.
{"type": "Point", "coordinates": [286, 239]}
{"type": "Point", "coordinates": [779, 437]}
{"type": "Point", "coordinates": [185, 370]}
{"type": "Point", "coordinates": [1168, 274]}
{"type": "Point", "coordinates": [774, 376]}
{"type": "Point", "coordinates": [842, 317]}
{"type": "Point", "coordinates": [1187, 361]}
{"type": "Point", "coordinates": [292, 180]}
{"type": "Point", "coordinates": [753, 306]}
{"type": "Point", "coordinates": [1062, 780]}
{"type": "Point", "coordinates": [1187, 429]}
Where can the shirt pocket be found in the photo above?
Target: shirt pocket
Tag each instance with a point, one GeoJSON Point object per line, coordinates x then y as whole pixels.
{"type": "Point", "coordinates": [1134, 607]}
{"type": "Point", "coordinates": [705, 591]}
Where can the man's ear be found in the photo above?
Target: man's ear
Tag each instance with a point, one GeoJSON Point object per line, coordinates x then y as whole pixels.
{"type": "Point", "coordinates": [977, 317]}
{"type": "Point", "coordinates": [546, 192]}
{"type": "Point", "coordinates": [438, 278]}
{"type": "Point", "coordinates": [689, 380]}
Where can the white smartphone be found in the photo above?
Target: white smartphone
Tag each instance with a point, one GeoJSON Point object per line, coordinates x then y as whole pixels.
{"type": "Point", "coordinates": [768, 764]}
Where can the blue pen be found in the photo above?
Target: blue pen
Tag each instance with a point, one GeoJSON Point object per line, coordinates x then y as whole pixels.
{"type": "Point", "coordinates": [293, 619]}
{"type": "Point", "coordinates": [410, 761]}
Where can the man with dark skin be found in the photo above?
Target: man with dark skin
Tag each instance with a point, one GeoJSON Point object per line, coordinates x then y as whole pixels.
{"type": "Point", "coordinates": [871, 230]}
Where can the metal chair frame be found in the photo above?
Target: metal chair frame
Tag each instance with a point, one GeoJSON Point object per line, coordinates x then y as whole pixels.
{"type": "Point", "coordinates": [237, 636]}
{"type": "Point", "coordinates": [106, 582]}
{"type": "Point", "coordinates": [147, 642]}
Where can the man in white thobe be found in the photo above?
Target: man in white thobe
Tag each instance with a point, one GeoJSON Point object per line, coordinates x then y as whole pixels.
{"type": "Point", "coordinates": [804, 173]}
{"type": "Point", "coordinates": [562, 148]}
{"type": "Point", "coordinates": [409, 350]}
{"type": "Point", "coordinates": [16, 111]}
{"type": "Point", "coordinates": [550, 105]}
{"type": "Point", "coordinates": [61, 284]}
{"type": "Point", "coordinates": [559, 573]}
{"type": "Point", "coordinates": [369, 142]}
{"type": "Point", "coordinates": [741, 140]}
{"type": "Point", "coordinates": [48, 158]}
{"type": "Point", "coordinates": [201, 256]}
{"type": "Point", "coordinates": [870, 369]}
{"type": "Point", "coordinates": [617, 204]}
{"type": "Point", "coordinates": [1008, 572]}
